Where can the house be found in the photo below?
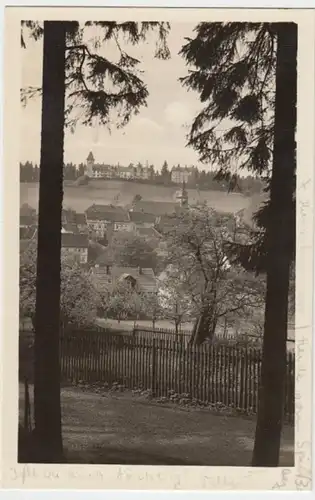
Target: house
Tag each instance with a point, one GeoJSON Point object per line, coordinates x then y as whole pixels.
{"type": "Point", "coordinates": [101, 217]}
{"type": "Point", "coordinates": [74, 219]}
{"type": "Point", "coordinates": [76, 245]}
{"type": "Point", "coordinates": [142, 172]}
{"type": "Point", "coordinates": [141, 219]}
{"type": "Point", "coordinates": [103, 171]}
{"type": "Point", "coordinates": [142, 279]}
{"type": "Point", "coordinates": [180, 174]}
{"type": "Point", "coordinates": [126, 172]}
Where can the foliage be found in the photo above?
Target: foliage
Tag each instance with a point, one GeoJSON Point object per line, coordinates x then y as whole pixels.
{"type": "Point", "coordinates": [79, 299]}
{"type": "Point", "coordinates": [136, 199]}
{"type": "Point", "coordinates": [235, 78]}
{"type": "Point", "coordinates": [97, 87]}
{"type": "Point", "coordinates": [234, 67]}
{"type": "Point", "coordinates": [129, 249]}
{"type": "Point", "coordinates": [124, 301]}
{"type": "Point", "coordinates": [218, 288]}
{"type": "Point", "coordinates": [174, 299]}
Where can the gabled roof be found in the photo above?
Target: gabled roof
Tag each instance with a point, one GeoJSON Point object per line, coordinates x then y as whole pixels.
{"type": "Point", "coordinates": [101, 167]}
{"type": "Point", "coordinates": [156, 207]}
{"type": "Point", "coordinates": [108, 213]}
{"type": "Point", "coordinates": [141, 217]}
{"type": "Point", "coordinates": [108, 217]}
{"type": "Point", "coordinates": [145, 278]}
{"type": "Point", "coordinates": [70, 240]}
{"type": "Point", "coordinates": [96, 207]}
{"type": "Point", "coordinates": [71, 217]}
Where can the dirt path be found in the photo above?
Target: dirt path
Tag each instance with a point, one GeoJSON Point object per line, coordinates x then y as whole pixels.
{"type": "Point", "coordinates": [124, 429]}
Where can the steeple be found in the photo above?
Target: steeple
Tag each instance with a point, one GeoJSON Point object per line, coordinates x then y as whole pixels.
{"type": "Point", "coordinates": [184, 196]}
{"type": "Point", "coordinates": [89, 164]}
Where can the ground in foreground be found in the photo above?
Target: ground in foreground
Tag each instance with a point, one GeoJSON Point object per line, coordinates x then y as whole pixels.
{"type": "Point", "coordinates": [124, 429]}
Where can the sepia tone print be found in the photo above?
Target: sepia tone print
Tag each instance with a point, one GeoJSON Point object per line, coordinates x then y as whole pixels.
{"type": "Point", "coordinates": [157, 243]}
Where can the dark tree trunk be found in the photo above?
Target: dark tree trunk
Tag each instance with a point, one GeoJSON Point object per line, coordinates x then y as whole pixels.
{"type": "Point", "coordinates": [204, 327]}
{"type": "Point", "coordinates": [271, 399]}
{"type": "Point", "coordinates": [47, 317]}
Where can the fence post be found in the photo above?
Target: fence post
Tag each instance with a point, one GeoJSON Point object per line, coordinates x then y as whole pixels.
{"type": "Point", "coordinates": [242, 381]}
{"type": "Point", "coordinates": [154, 364]}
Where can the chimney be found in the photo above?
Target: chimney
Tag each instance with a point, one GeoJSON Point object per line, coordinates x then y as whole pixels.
{"type": "Point", "coordinates": [140, 270]}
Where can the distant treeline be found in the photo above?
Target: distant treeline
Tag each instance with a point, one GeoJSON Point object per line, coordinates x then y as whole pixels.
{"type": "Point", "coordinates": [29, 172]}
{"type": "Point", "coordinates": [199, 179]}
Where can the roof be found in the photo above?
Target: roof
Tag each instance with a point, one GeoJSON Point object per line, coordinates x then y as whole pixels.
{"type": "Point", "coordinates": [70, 240]}
{"type": "Point", "coordinates": [104, 208]}
{"type": "Point", "coordinates": [71, 217]}
{"type": "Point", "coordinates": [109, 216]}
{"type": "Point", "coordinates": [130, 168]}
{"type": "Point", "coordinates": [70, 227]}
{"type": "Point", "coordinates": [90, 156]}
{"type": "Point", "coordinates": [156, 207]}
{"type": "Point", "coordinates": [145, 279]}
{"type": "Point", "coordinates": [27, 220]}
{"type": "Point", "coordinates": [101, 167]}
{"type": "Point", "coordinates": [109, 213]}
{"type": "Point", "coordinates": [141, 217]}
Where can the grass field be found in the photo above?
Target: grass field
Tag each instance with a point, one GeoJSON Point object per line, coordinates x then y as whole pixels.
{"type": "Point", "coordinates": [101, 191]}
{"type": "Point", "coordinates": [125, 429]}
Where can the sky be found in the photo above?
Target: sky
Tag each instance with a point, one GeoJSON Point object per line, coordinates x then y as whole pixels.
{"type": "Point", "coordinates": [157, 134]}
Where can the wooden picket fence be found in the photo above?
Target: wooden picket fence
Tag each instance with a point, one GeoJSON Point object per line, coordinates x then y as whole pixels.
{"type": "Point", "coordinates": [216, 373]}
{"type": "Point", "coordinates": [184, 336]}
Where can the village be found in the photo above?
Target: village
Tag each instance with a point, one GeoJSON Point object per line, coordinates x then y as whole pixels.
{"type": "Point", "coordinates": [89, 238]}
{"type": "Point", "coordinates": [157, 243]}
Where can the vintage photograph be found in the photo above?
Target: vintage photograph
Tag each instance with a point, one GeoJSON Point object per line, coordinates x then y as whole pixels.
{"type": "Point", "coordinates": [157, 243]}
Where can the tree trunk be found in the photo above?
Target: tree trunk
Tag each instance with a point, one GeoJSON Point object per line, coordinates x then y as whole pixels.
{"type": "Point", "coordinates": [204, 327]}
{"type": "Point", "coordinates": [48, 434]}
{"type": "Point", "coordinates": [282, 187]}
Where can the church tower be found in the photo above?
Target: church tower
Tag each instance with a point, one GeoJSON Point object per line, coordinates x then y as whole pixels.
{"type": "Point", "coordinates": [184, 197]}
{"type": "Point", "coordinates": [89, 165]}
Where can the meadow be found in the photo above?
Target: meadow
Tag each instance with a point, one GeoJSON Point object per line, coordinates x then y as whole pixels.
{"type": "Point", "coordinates": [80, 198]}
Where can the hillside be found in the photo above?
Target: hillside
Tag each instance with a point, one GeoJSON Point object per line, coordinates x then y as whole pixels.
{"type": "Point", "coordinates": [123, 192]}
